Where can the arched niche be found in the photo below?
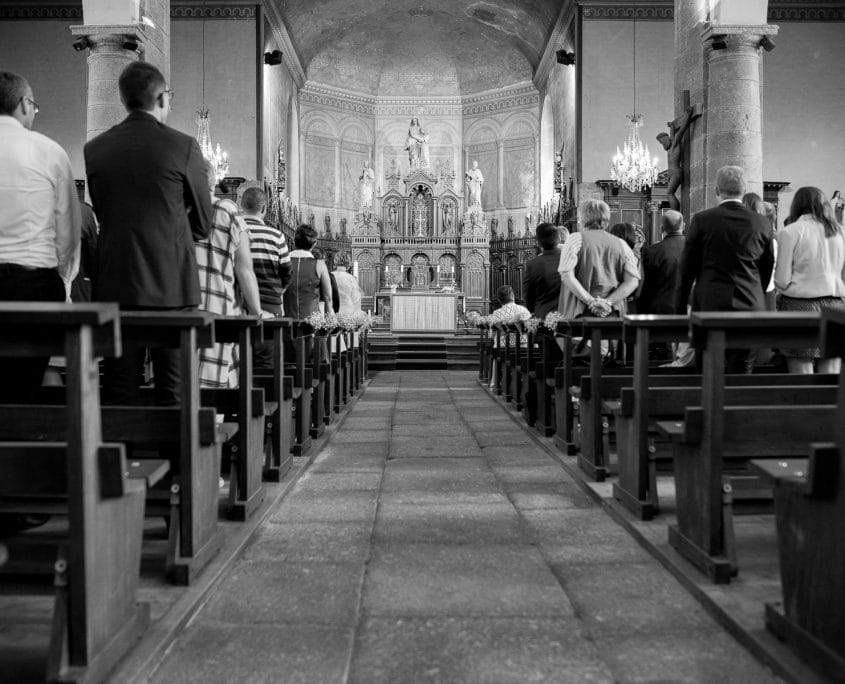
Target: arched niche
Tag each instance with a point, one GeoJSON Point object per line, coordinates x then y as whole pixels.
{"type": "Point", "coordinates": [547, 153]}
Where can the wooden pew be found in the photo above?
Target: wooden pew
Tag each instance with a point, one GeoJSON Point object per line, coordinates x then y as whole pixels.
{"type": "Point", "coordinates": [638, 451]}
{"type": "Point", "coordinates": [515, 360]}
{"type": "Point", "coordinates": [299, 368]}
{"type": "Point", "coordinates": [318, 360]}
{"type": "Point", "coordinates": [278, 388]}
{"type": "Point", "coordinates": [188, 497]}
{"type": "Point", "coordinates": [245, 405]}
{"type": "Point", "coordinates": [498, 359]}
{"type": "Point", "coordinates": [713, 431]}
{"type": "Point", "coordinates": [485, 353]}
{"type": "Point", "coordinates": [810, 518]}
{"type": "Point", "coordinates": [96, 616]}
{"type": "Point", "coordinates": [641, 457]}
{"type": "Point", "coordinates": [548, 358]}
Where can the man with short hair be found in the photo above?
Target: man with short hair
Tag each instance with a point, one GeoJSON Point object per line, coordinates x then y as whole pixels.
{"type": "Point", "coordinates": [39, 218]}
{"type": "Point", "coordinates": [149, 189]}
{"type": "Point", "coordinates": [728, 254]}
{"type": "Point", "coordinates": [270, 254]}
{"type": "Point", "coordinates": [541, 279]}
{"type": "Point", "coordinates": [508, 310]}
{"type": "Point", "coordinates": [661, 267]}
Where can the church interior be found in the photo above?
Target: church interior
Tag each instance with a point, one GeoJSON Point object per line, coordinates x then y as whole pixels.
{"type": "Point", "coordinates": [434, 501]}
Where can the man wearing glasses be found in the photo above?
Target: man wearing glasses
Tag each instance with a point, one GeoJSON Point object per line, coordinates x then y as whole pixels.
{"type": "Point", "coordinates": [39, 218]}
{"type": "Point", "coordinates": [149, 189]}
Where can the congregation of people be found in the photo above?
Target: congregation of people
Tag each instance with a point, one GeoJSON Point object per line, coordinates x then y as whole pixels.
{"type": "Point", "coordinates": [731, 257]}
{"type": "Point", "coordinates": [154, 238]}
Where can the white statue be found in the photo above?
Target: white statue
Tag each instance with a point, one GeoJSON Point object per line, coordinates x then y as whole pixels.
{"type": "Point", "coordinates": [417, 145]}
{"type": "Point", "coordinates": [366, 181]}
{"type": "Point", "coordinates": [474, 182]}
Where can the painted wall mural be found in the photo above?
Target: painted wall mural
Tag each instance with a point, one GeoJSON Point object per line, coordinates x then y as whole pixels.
{"type": "Point", "coordinates": [319, 173]}
{"type": "Point", "coordinates": [518, 176]}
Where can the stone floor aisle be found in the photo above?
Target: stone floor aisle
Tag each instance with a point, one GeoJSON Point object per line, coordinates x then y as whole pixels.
{"type": "Point", "coordinates": [434, 541]}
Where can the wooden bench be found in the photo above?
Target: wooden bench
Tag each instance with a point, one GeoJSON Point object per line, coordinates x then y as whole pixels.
{"type": "Point", "coordinates": [297, 358]}
{"type": "Point", "coordinates": [246, 406]}
{"type": "Point", "coordinates": [189, 497]}
{"type": "Point", "coordinates": [278, 388]}
{"type": "Point", "coordinates": [810, 518]}
{"type": "Point", "coordinates": [640, 458]}
{"type": "Point", "coordinates": [714, 433]}
{"type": "Point", "coordinates": [96, 615]}
{"type": "Point", "coordinates": [547, 359]}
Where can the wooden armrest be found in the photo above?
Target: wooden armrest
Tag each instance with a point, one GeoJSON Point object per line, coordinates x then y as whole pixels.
{"type": "Point", "coordinates": [611, 406]}
{"type": "Point", "coordinates": [151, 471]}
{"type": "Point", "coordinates": [225, 431]}
{"type": "Point", "coordinates": [671, 429]}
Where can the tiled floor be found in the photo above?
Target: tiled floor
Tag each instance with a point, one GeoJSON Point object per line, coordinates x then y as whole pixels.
{"type": "Point", "coordinates": [433, 541]}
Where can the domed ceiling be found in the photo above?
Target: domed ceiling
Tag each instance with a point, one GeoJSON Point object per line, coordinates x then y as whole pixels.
{"type": "Point", "coordinates": [407, 48]}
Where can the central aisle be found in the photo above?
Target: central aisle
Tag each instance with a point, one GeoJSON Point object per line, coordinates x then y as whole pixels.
{"type": "Point", "coordinates": [434, 541]}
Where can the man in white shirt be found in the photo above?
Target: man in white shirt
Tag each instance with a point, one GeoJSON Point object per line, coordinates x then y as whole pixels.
{"type": "Point", "coordinates": [40, 220]}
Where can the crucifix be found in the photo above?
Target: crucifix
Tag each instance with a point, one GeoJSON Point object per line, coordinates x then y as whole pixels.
{"type": "Point", "coordinates": [673, 143]}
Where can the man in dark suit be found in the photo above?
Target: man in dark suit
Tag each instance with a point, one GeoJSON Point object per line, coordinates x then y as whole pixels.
{"type": "Point", "coordinates": [149, 189]}
{"type": "Point", "coordinates": [541, 279]}
{"type": "Point", "coordinates": [728, 254]}
{"type": "Point", "coordinates": [662, 267]}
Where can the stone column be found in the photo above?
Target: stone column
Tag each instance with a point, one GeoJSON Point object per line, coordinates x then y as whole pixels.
{"type": "Point", "coordinates": [111, 46]}
{"type": "Point", "coordinates": [734, 133]}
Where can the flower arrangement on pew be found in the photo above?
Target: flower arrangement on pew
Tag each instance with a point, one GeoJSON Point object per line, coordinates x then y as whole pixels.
{"type": "Point", "coordinates": [531, 325]}
{"type": "Point", "coordinates": [323, 322]}
{"type": "Point", "coordinates": [552, 319]}
{"type": "Point", "coordinates": [357, 321]}
{"type": "Point", "coordinates": [474, 318]}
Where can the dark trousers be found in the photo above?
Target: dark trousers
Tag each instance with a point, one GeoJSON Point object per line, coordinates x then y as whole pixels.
{"type": "Point", "coordinates": [123, 377]}
{"type": "Point", "coordinates": [19, 284]}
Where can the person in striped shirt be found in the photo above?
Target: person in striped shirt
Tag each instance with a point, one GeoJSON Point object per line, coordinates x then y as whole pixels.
{"type": "Point", "coordinates": [271, 263]}
{"type": "Point", "coordinates": [270, 254]}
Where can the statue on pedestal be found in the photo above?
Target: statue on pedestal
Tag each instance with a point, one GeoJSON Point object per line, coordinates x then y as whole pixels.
{"type": "Point", "coordinates": [448, 218]}
{"type": "Point", "coordinates": [474, 182]}
{"type": "Point", "coordinates": [417, 145]}
{"type": "Point", "coordinates": [366, 181]}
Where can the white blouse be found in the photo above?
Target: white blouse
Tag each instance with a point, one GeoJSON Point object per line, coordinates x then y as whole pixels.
{"type": "Point", "coordinates": [810, 265]}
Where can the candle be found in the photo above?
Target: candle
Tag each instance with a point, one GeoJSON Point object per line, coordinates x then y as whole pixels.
{"type": "Point", "coordinates": [385, 269]}
{"type": "Point", "coordinates": [355, 268]}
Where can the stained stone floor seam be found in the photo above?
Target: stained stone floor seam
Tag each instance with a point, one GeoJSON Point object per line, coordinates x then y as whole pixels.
{"type": "Point", "coordinates": [432, 540]}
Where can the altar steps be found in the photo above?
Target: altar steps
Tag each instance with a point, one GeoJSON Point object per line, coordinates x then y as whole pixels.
{"type": "Point", "coordinates": [423, 352]}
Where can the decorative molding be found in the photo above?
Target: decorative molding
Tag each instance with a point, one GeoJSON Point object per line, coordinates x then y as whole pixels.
{"type": "Point", "coordinates": [520, 95]}
{"type": "Point", "coordinates": [335, 98]}
{"type": "Point", "coordinates": [42, 11]}
{"type": "Point", "coordinates": [796, 12]}
{"type": "Point", "coordinates": [655, 11]}
{"type": "Point", "coordinates": [212, 11]}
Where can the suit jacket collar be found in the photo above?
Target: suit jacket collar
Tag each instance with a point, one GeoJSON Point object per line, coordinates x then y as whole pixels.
{"type": "Point", "coordinates": [141, 116]}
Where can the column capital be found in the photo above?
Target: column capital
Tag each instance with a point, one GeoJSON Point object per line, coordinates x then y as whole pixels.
{"type": "Point", "coordinates": [129, 37]}
{"type": "Point", "coordinates": [734, 37]}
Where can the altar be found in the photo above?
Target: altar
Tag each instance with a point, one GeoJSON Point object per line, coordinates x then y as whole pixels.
{"type": "Point", "coordinates": [420, 311]}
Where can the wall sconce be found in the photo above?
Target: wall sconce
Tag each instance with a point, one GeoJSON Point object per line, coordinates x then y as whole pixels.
{"type": "Point", "coordinates": [767, 44]}
{"type": "Point", "coordinates": [564, 57]}
{"type": "Point", "coordinates": [273, 58]}
{"type": "Point", "coordinates": [81, 44]}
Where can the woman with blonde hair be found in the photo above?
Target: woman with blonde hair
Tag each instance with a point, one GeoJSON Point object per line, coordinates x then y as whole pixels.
{"type": "Point", "coordinates": [597, 270]}
{"type": "Point", "coordinates": [810, 271]}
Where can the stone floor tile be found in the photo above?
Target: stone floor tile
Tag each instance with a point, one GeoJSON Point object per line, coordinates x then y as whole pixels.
{"type": "Point", "coordinates": [356, 423]}
{"type": "Point", "coordinates": [420, 430]}
{"type": "Point", "coordinates": [616, 598]}
{"type": "Point", "coordinates": [326, 542]}
{"type": "Point", "coordinates": [515, 438]}
{"type": "Point", "coordinates": [437, 450]}
{"type": "Point", "coordinates": [213, 653]}
{"type": "Point", "coordinates": [431, 475]}
{"type": "Point", "coordinates": [436, 580]}
{"type": "Point", "coordinates": [263, 591]}
{"type": "Point", "coordinates": [457, 523]}
{"type": "Point", "coordinates": [545, 499]}
{"type": "Point", "coordinates": [442, 498]}
{"type": "Point", "coordinates": [681, 657]}
{"type": "Point", "coordinates": [515, 474]}
{"type": "Point", "coordinates": [334, 506]}
{"type": "Point", "coordinates": [322, 482]}
{"type": "Point", "coordinates": [359, 436]}
{"type": "Point", "coordinates": [473, 650]}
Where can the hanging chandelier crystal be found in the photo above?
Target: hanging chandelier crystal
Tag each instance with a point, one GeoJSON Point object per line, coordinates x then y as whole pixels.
{"type": "Point", "coordinates": [634, 168]}
{"type": "Point", "coordinates": [216, 156]}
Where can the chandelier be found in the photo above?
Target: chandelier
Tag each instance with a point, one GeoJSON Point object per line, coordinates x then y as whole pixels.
{"type": "Point", "coordinates": [217, 157]}
{"type": "Point", "coordinates": [634, 168]}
